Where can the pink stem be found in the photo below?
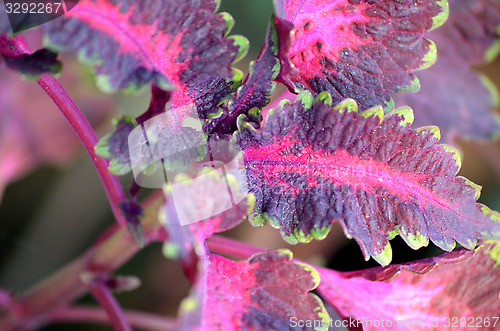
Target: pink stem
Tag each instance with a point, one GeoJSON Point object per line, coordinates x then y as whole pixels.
{"type": "Point", "coordinates": [81, 126]}
{"type": "Point", "coordinates": [230, 247]}
{"type": "Point", "coordinates": [108, 302]}
{"type": "Point", "coordinates": [90, 314]}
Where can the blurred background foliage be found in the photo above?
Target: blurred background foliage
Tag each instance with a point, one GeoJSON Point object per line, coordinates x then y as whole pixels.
{"type": "Point", "coordinates": [51, 215]}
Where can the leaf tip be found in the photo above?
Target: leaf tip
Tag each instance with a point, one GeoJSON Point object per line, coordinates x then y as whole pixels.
{"type": "Point", "coordinates": [434, 130]}
{"type": "Point", "coordinates": [324, 97]}
{"type": "Point", "coordinates": [346, 105]}
{"type": "Point", "coordinates": [414, 240]}
{"type": "Point", "coordinates": [242, 43]}
{"type": "Point", "coordinates": [305, 99]}
{"type": "Point", "coordinates": [440, 18]}
{"type": "Point", "coordinates": [406, 114]}
{"type": "Point", "coordinates": [430, 57]}
{"type": "Point", "coordinates": [413, 86]}
{"type": "Point", "coordinates": [377, 111]}
{"type": "Point", "coordinates": [228, 18]}
{"type": "Point", "coordinates": [455, 154]}
{"type": "Point", "coordinates": [385, 256]}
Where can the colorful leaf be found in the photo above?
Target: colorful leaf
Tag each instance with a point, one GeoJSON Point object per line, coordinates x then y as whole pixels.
{"type": "Point", "coordinates": [175, 45]}
{"type": "Point", "coordinates": [453, 96]}
{"type": "Point", "coordinates": [266, 292]}
{"type": "Point", "coordinates": [313, 164]}
{"type": "Point", "coordinates": [255, 90]}
{"type": "Point", "coordinates": [453, 293]}
{"type": "Point", "coordinates": [361, 49]}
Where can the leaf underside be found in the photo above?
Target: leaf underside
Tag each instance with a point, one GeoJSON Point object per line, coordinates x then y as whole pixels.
{"type": "Point", "coordinates": [261, 293]}
{"type": "Point", "coordinates": [313, 164]}
{"type": "Point", "coordinates": [179, 46]}
{"type": "Point", "coordinates": [453, 96]}
{"type": "Point", "coordinates": [361, 49]}
{"type": "Point", "coordinates": [448, 292]}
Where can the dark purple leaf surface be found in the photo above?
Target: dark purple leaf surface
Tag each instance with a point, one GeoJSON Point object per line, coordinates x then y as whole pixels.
{"type": "Point", "coordinates": [313, 164]}
{"type": "Point", "coordinates": [453, 96]}
{"type": "Point", "coordinates": [361, 49]}
{"type": "Point", "coordinates": [179, 46]}
{"type": "Point", "coordinates": [261, 293]}
{"type": "Point", "coordinates": [453, 291]}
{"type": "Point", "coordinates": [42, 61]}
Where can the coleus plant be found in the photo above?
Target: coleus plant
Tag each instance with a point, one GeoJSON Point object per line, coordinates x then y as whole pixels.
{"type": "Point", "coordinates": [343, 151]}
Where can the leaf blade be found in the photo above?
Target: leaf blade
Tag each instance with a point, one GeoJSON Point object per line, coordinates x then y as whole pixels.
{"type": "Point", "coordinates": [361, 49]}
{"type": "Point", "coordinates": [313, 164]}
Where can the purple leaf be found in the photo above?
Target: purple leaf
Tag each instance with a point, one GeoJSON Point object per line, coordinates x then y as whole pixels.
{"type": "Point", "coordinates": [179, 46]}
{"type": "Point", "coordinates": [453, 96]}
{"type": "Point", "coordinates": [202, 198]}
{"type": "Point", "coordinates": [313, 164]}
{"type": "Point", "coordinates": [265, 292]}
{"type": "Point", "coordinates": [453, 291]}
{"type": "Point", "coordinates": [255, 90]}
{"type": "Point", "coordinates": [361, 49]}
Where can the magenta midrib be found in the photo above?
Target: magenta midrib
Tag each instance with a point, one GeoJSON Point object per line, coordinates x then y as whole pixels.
{"type": "Point", "coordinates": [392, 180]}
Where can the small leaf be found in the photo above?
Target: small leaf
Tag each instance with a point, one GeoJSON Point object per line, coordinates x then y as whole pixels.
{"type": "Point", "coordinates": [313, 164]}
{"type": "Point", "coordinates": [255, 90]}
{"type": "Point", "coordinates": [176, 45]}
{"type": "Point", "coordinates": [32, 65]}
{"type": "Point", "coordinates": [361, 49]}
{"type": "Point", "coordinates": [453, 291]}
{"type": "Point", "coordinates": [198, 207]}
{"type": "Point", "coordinates": [133, 212]}
{"type": "Point", "coordinates": [453, 96]}
{"type": "Point", "coordinates": [114, 146]}
{"type": "Point", "coordinates": [266, 292]}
